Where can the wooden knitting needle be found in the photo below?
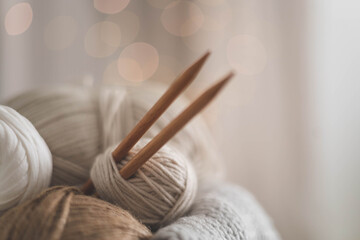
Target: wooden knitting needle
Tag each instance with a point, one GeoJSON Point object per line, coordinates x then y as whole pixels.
{"type": "Point", "coordinates": [171, 129]}
{"type": "Point", "coordinates": [158, 109]}
{"type": "Point", "coordinates": [153, 114]}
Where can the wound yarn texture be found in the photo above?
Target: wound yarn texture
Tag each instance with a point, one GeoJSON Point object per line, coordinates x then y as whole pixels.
{"type": "Point", "coordinates": [79, 123]}
{"type": "Point", "coordinates": [25, 159]}
{"type": "Point", "coordinates": [162, 190]}
{"type": "Point", "coordinates": [83, 125]}
{"type": "Point", "coordinates": [63, 213]}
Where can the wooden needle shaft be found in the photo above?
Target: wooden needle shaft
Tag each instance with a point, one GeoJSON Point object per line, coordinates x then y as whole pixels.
{"type": "Point", "coordinates": [171, 129]}
{"type": "Point", "coordinates": [180, 83]}
{"type": "Point", "coordinates": [158, 109]}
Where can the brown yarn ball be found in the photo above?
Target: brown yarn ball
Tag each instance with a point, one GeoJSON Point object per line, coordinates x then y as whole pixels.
{"type": "Point", "coordinates": [63, 213]}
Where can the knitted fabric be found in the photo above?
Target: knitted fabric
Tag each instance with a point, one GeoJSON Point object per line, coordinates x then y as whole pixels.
{"type": "Point", "coordinates": [221, 212]}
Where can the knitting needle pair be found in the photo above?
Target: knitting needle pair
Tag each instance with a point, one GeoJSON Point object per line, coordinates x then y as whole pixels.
{"type": "Point", "coordinates": [177, 87]}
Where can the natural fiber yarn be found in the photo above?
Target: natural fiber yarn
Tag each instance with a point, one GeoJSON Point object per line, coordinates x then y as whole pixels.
{"type": "Point", "coordinates": [162, 190]}
{"type": "Point", "coordinates": [63, 213]}
{"type": "Point", "coordinates": [25, 159]}
{"type": "Point", "coordinates": [79, 123]}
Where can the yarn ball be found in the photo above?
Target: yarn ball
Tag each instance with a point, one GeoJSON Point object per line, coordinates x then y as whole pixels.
{"type": "Point", "coordinates": [63, 213]}
{"type": "Point", "coordinates": [79, 123]}
{"type": "Point", "coordinates": [159, 192]}
{"type": "Point", "coordinates": [25, 159]}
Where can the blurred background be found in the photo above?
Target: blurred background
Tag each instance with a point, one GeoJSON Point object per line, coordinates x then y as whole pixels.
{"type": "Point", "coordinates": [288, 125]}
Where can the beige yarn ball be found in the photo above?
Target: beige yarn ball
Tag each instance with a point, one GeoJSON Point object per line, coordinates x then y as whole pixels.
{"type": "Point", "coordinates": [162, 190]}
{"type": "Point", "coordinates": [63, 213]}
{"type": "Point", "coordinates": [79, 123]}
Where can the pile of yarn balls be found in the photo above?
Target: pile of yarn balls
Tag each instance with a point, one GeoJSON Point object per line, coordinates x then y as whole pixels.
{"type": "Point", "coordinates": [53, 137]}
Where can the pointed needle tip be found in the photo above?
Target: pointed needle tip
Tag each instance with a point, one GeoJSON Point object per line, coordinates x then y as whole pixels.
{"type": "Point", "coordinates": [204, 57]}
{"type": "Point", "coordinates": [227, 78]}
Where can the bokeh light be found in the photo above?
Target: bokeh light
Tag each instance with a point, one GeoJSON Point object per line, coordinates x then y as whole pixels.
{"type": "Point", "coordinates": [129, 24]}
{"type": "Point", "coordinates": [130, 69]}
{"type": "Point", "coordinates": [217, 17]}
{"type": "Point", "coordinates": [138, 62]}
{"type": "Point", "coordinates": [110, 6]}
{"type": "Point", "coordinates": [60, 32]}
{"type": "Point", "coordinates": [182, 18]}
{"type": "Point", "coordinates": [246, 54]}
{"type": "Point", "coordinates": [164, 74]}
{"type": "Point", "coordinates": [205, 40]}
{"type": "Point", "coordinates": [167, 70]}
{"type": "Point", "coordinates": [102, 39]}
{"type": "Point", "coordinates": [212, 2]}
{"type": "Point", "coordinates": [111, 74]}
{"type": "Point", "coordinates": [18, 19]}
{"type": "Point", "coordinates": [159, 3]}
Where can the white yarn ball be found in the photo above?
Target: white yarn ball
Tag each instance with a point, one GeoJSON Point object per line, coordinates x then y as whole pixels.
{"type": "Point", "coordinates": [159, 192]}
{"type": "Point", "coordinates": [25, 159]}
{"type": "Point", "coordinates": [78, 123]}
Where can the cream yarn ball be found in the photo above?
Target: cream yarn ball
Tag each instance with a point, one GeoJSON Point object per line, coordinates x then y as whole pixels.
{"type": "Point", "coordinates": [25, 159]}
{"type": "Point", "coordinates": [159, 192]}
{"type": "Point", "coordinates": [79, 123]}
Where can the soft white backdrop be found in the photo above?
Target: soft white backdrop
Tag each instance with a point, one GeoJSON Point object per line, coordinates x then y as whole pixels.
{"type": "Point", "coordinates": [288, 124]}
